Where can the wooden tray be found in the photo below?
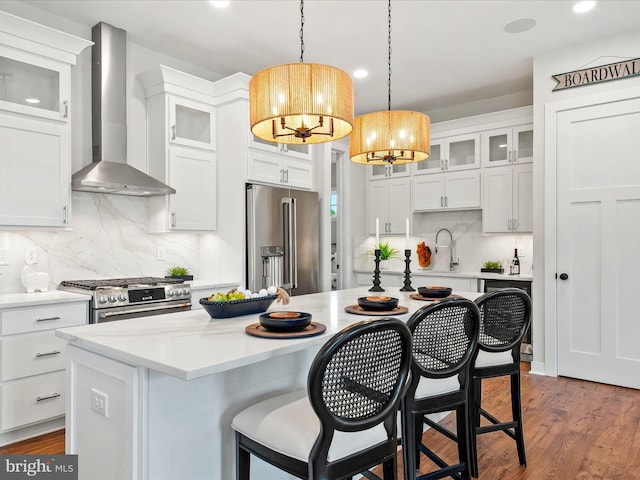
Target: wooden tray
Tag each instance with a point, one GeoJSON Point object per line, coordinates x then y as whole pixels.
{"type": "Point", "coordinates": [417, 296]}
{"type": "Point", "coordinates": [314, 328]}
{"type": "Point", "coordinates": [358, 310]}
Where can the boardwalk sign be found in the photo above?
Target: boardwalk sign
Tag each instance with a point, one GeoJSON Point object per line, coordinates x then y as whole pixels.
{"type": "Point", "coordinates": [603, 73]}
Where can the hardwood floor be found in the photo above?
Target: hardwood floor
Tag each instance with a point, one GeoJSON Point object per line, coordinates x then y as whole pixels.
{"type": "Point", "coordinates": [573, 430]}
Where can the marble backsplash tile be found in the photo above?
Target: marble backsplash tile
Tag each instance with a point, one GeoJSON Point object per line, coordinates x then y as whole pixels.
{"type": "Point", "coordinates": [472, 248]}
{"type": "Point", "coordinates": [108, 238]}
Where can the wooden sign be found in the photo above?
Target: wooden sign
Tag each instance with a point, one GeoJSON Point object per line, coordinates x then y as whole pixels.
{"type": "Point", "coordinates": [603, 73]}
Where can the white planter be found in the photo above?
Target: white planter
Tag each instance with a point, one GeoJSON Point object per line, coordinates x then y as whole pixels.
{"type": "Point", "coordinates": [384, 264]}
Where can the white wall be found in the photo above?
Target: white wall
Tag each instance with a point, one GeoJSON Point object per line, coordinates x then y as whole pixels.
{"type": "Point", "coordinates": [595, 53]}
{"type": "Point", "coordinates": [108, 234]}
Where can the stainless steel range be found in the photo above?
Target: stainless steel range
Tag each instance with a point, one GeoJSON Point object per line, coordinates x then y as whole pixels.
{"type": "Point", "coordinates": [124, 298]}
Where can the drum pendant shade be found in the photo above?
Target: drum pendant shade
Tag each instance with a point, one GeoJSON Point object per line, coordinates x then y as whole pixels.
{"type": "Point", "coordinates": [393, 136]}
{"type": "Point", "coordinates": [300, 103]}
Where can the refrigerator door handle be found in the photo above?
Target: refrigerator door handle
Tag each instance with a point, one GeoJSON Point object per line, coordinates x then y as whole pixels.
{"type": "Point", "coordinates": [287, 207]}
{"type": "Point", "coordinates": [293, 226]}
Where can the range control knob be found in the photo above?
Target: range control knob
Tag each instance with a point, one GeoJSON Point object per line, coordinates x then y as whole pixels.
{"type": "Point", "coordinates": [112, 298]}
{"type": "Point", "coordinates": [171, 293]}
{"type": "Point", "coordinates": [179, 291]}
{"type": "Point", "coordinates": [122, 297]}
{"type": "Point", "coordinates": [102, 299]}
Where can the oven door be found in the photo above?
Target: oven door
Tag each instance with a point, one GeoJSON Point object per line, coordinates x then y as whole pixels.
{"type": "Point", "coordinates": [140, 310]}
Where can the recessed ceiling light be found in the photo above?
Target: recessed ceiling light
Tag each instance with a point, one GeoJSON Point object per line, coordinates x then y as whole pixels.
{"type": "Point", "coordinates": [220, 3]}
{"type": "Point", "coordinates": [360, 73]}
{"type": "Point", "coordinates": [584, 6]}
{"type": "Point", "coordinates": [519, 26]}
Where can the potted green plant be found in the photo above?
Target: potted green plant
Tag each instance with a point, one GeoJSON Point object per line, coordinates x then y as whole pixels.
{"type": "Point", "coordinates": [387, 252]}
{"type": "Point", "coordinates": [179, 272]}
{"type": "Point", "coordinates": [492, 266]}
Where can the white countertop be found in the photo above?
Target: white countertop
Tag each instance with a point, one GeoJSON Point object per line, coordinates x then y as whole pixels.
{"type": "Point", "coordinates": [431, 273]}
{"type": "Point", "coordinates": [10, 300]}
{"type": "Point", "coordinates": [189, 345]}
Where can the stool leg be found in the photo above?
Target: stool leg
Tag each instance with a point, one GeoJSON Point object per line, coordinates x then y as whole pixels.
{"type": "Point", "coordinates": [409, 446]}
{"type": "Point", "coordinates": [462, 431]}
{"type": "Point", "coordinates": [474, 404]}
{"type": "Point", "coordinates": [390, 469]}
{"type": "Point", "coordinates": [516, 409]}
{"type": "Point", "coordinates": [243, 461]}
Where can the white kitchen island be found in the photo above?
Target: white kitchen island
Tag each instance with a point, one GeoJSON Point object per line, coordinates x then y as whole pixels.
{"type": "Point", "coordinates": [153, 397]}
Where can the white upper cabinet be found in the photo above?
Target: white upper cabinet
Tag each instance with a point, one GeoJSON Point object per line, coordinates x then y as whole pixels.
{"type": "Point", "coordinates": [505, 146]}
{"type": "Point", "coordinates": [389, 201]}
{"type": "Point", "coordinates": [35, 130]}
{"type": "Point", "coordinates": [388, 171]}
{"type": "Point", "coordinates": [508, 206]}
{"type": "Point", "coordinates": [294, 150]}
{"type": "Point", "coordinates": [458, 152]}
{"type": "Point", "coordinates": [191, 123]}
{"type": "Point", "coordinates": [266, 167]}
{"type": "Point", "coordinates": [449, 191]}
{"type": "Point", "coordinates": [181, 143]}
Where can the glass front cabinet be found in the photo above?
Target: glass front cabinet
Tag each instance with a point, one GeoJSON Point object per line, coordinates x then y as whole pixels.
{"type": "Point", "coordinates": [459, 152]}
{"type": "Point", "coordinates": [507, 146]}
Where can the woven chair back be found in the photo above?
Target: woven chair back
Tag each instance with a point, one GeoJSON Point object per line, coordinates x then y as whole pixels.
{"type": "Point", "coordinates": [505, 318]}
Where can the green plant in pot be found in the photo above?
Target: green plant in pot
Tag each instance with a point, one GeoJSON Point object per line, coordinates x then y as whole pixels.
{"type": "Point", "coordinates": [179, 272]}
{"type": "Point", "coordinates": [492, 266]}
{"type": "Point", "coordinates": [387, 252]}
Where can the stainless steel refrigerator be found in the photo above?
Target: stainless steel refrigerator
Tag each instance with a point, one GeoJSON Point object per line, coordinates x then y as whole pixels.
{"type": "Point", "coordinates": [283, 239]}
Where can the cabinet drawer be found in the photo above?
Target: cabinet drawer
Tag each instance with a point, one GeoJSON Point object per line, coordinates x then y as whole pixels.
{"type": "Point", "coordinates": [33, 400]}
{"type": "Point", "coordinates": [44, 317]}
{"type": "Point", "coordinates": [32, 354]}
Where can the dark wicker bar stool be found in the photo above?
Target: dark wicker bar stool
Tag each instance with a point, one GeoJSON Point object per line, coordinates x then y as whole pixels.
{"type": "Point", "coordinates": [346, 423]}
{"type": "Point", "coordinates": [505, 318]}
{"type": "Point", "coordinates": [445, 336]}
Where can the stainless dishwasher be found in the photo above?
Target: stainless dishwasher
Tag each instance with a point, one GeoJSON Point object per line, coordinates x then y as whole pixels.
{"type": "Point", "coordinates": [526, 348]}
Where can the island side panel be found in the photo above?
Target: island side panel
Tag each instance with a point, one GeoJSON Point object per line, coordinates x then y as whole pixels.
{"type": "Point", "coordinates": [189, 422]}
{"type": "Point", "coordinates": [104, 418]}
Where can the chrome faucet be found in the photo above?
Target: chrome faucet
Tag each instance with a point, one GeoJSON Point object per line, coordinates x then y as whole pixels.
{"type": "Point", "coordinates": [452, 244]}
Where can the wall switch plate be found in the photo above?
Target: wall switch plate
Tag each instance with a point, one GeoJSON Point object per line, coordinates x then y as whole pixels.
{"type": "Point", "coordinates": [31, 255]}
{"type": "Point", "coordinates": [100, 402]}
{"type": "Point", "coordinates": [160, 254]}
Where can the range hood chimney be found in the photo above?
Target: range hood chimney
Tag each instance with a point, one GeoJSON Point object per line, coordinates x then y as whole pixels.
{"type": "Point", "coordinates": [109, 172]}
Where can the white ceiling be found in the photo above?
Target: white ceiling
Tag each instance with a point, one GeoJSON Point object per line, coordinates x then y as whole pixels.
{"type": "Point", "coordinates": [445, 52]}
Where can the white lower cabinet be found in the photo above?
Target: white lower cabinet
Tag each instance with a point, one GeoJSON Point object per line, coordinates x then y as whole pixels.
{"type": "Point", "coordinates": [396, 279]}
{"type": "Point", "coordinates": [447, 191]}
{"type": "Point", "coordinates": [32, 368]}
{"type": "Point", "coordinates": [508, 204]}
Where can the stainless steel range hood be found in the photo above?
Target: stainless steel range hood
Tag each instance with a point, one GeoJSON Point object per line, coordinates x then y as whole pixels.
{"type": "Point", "coordinates": [109, 172]}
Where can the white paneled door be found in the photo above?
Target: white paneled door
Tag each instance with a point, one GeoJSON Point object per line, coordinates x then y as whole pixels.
{"type": "Point", "coordinates": [598, 249]}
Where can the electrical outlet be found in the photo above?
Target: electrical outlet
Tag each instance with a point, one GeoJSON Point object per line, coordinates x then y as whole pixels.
{"type": "Point", "coordinates": [3, 257]}
{"type": "Point", "coordinates": [160, 254]}
{"type": "Point", "coordinates": [100, 402]}
{"type": "Point", "coordinates": [31, 255]}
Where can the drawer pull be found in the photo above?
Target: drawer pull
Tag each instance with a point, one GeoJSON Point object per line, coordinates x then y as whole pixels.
{"type": "Point", "coordinates": [46, 319]}
{"type": "Point", "coordinates": [53, 395]}
{"type": "Point", "coordinates": [45, 354]}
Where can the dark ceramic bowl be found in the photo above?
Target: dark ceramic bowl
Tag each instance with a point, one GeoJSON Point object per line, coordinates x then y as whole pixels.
{"type": "Point", "coordinates": [285, 321]}
{"type": "Point", "coordinates": [434, 291]}
{"type": "Point", "coordinates": [236, 308]}
{"type": "Point", "coordinates": [380, 303]}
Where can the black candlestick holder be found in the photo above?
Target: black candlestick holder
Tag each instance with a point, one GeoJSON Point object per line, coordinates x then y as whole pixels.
{"type": "Point", "coordinates": [376, 273]}
{"type": "Point", "coordinates": [407, 273]}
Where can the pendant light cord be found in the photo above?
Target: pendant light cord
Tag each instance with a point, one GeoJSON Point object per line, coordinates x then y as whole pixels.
{"type": "Point", "coordinates": [389, 59]}
{"type": "Point", "coordinates": [302, 31]}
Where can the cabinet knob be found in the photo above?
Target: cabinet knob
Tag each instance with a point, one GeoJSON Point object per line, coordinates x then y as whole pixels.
{"type": "Point", "coordinates": [563, 276]}
{"type": "Point", "coordinates": [173, 132]}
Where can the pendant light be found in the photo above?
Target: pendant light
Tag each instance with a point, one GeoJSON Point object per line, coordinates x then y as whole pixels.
{"type": "Point", "coordinates": [392, 136]}
{"type": "Point", "coordinates": [300, 103]}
